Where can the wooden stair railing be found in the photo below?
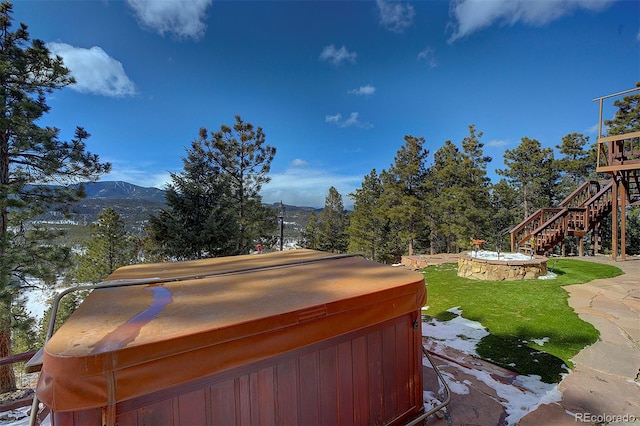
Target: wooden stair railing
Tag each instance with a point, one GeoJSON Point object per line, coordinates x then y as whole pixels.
{"type": "Point", "coordinates": [570, 221]}
{"type": "Point", "coordinates": [599, 206]}
{"type": "Point", "coordinates": [582, 194]}
{"type": "Point", "coordinates": [553, 225]}
{"type": "Point", "coordinates": [522, 233]}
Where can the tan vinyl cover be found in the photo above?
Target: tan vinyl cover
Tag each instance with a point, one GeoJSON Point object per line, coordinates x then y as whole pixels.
{"type": "Point", "coordinates": [203, 317]}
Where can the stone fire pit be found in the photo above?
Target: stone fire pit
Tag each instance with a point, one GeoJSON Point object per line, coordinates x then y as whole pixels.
{"type": "Point", "coordinates": [488, 266]}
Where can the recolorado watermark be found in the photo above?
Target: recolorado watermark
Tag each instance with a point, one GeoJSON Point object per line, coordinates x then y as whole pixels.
{"type": "Point", "coordinates": [605, 418]}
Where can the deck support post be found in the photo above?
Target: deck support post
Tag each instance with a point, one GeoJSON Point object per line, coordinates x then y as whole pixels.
{"type": "Point", "coordinates": [623, 221]}
{"type": "Point", "coordinates": [614, 220]}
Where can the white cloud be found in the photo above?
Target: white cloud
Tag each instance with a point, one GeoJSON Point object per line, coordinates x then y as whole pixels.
{"type": "Point", "coordinates": [184, 18]}
{"type": "Point", "coordinates": [394, 16]}
{"type": "Point", "coordinates": [135, 176]}
{"type": "Point", "coordinates": [333, 118]}
{"type": "Point", "coordinates": [363, 90]}
{"type": "Point", "coordinates": [94, 70]}
{"type": "Point", "coordinates": [593, 130]}
{"type": "Point", "coordinates": [303, 186]}
{"type": "Point", "coordinates": [473, 15]}
{"type": "Point", "coordinates": [498, 143]}
{"type": "Point", "coordinates": [352, 121]}
{"type": "Point", "coordinates": [299, 163]}
{"type": "Point", "coordinates": [337, 56]}
{"type": "Point", "coordinates": [428, 55]}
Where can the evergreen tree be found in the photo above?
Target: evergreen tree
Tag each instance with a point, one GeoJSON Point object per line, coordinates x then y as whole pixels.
{"type": "Point", "coordinates": [30, 157]}
{"type": "Point", "coordinates": [477, 212]}
{"type": "Point", "coordinates": [506, 211]}
{"type": "Point", "coordinates": [332, 230]}
{"type": "Point", "coordinates": [392, 246]}
{"type": "Point", "coordinates": [110, 247]}
{"type": "Point", "coordinates": [632, 246]}
{"type": "Point", "coordinates": [577, 164]}
{"type": "Point", "coordinates": [241, 155]}
{"type": "Point", "coordinates": [367, 222]}
{"type": "Point", "coordinates": [447, 196]}
{"type": "Point", "coordinates": [199, 220]}
{"type": "Point", "coordinates": [310, 234]}
{"type": "Point", "coordinates": [24, 328]}
{"type": "Point", "coordinates": [627, 116]}
{"type": "Point", "coordinates": [403, 191]}
{"type": "Point", "coordinates": [532, 171]}
{"type": "Point", "coordinates": [458, 192]}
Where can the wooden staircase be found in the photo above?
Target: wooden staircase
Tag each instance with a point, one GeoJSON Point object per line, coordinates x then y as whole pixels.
{"type": "Point", "coordinates": [618, 155]}
{"type": "Point", "coordinates": [578, 214]}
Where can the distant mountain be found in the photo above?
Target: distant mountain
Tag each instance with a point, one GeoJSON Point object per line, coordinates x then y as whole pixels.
{"type": "Point", "coordinates": [134, 204]}
{"type": "Point", "coordinates": [110, 190]}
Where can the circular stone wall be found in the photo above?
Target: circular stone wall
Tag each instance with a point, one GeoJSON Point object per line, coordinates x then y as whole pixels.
{"type": "Point", "coordinates": [477, 268]}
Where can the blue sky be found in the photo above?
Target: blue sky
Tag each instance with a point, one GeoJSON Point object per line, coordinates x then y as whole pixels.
{"type": "Point", "coordinates": [335, 85]}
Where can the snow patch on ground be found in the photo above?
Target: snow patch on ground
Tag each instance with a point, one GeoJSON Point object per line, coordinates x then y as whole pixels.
{"type": "Point", "coordinates": [20, 417]}
{"type": "Point", "coordinates": [549, 276]}
{"type": "Point", "coordinates": [540, 342]}
{"type": "Point", "coordinates": [459, 333]}
{"type": "Point", "coordinates": [525, 394]}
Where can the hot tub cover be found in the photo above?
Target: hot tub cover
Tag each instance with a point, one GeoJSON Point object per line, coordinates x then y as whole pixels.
{"type": "Point", "coordinates": [185, 320]}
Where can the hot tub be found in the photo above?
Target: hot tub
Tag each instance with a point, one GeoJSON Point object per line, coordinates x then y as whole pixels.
{"type": "Point", "coordinates": [297, 337]}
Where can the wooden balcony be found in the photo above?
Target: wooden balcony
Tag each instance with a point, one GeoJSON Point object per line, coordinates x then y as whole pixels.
{"type": "Point", "coordinates": [618, 153]}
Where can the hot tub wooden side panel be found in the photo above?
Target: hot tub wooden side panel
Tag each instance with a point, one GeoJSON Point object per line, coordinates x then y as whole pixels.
{"type": "Point", "coordinates": [368, 376]}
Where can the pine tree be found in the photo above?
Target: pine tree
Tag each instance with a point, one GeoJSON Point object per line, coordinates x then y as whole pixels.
{"type": "Point", "coordinates": [240, 154]}
{"type": "Point", "coordinates": [458, 193]}
{"type": "Point", "coordinates": [110, 247]}
{"type": "Point", "coordinates": [403, 194]}
{"type": "Point", "coordinates": [627, 116]}
{"type": "Point", "coordinates": [30, 157]}
{"type": "Point", "coordinates": [532, 171]}
{"type": "Point", "coordinates": [366, 222]}
{"type": "Point", "coordinates": [310, 236]}
{"type": "Point", "coordinates": [447, 196]}
{"type": "Point", "coordinates": [633, 231]}
{"type": "Point", "coordinates": [477, 212]}
{"type": "Point", "coordinates": [199, 220]}
{"type": "Point", "coordinates": [332, 230]}
{"type": "Point", "coordinates": [506, 211]}
{"type": "Point", "coordinates": [577, 164]}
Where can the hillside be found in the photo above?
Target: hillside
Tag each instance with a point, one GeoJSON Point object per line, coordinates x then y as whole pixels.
{"type": "Point", "coordinates": [135, 204]}
{"type": "Point", "coordinates": [124, 191]}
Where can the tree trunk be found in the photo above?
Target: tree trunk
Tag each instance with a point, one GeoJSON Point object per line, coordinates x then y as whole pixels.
{"type": "Point", "coordinates": [7, 378]}
{"type": "Point", "coordinates": [432, 237]}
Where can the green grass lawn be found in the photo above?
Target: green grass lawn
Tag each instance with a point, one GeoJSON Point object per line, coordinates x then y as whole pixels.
{"type": "Point", "coordinates": [515, 312]}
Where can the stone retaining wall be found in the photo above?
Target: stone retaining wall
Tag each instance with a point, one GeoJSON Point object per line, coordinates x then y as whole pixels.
{"type": "Point", "coordinates": [500, 270]}
{"type": "Point", "coordinates": [419, 261]}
